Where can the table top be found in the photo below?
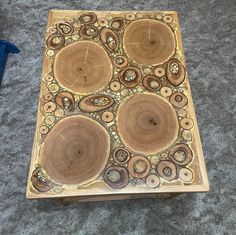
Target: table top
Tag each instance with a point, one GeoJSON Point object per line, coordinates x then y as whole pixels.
{"type": "Point", "coordinates": [208, 37]}
{"type": "Point", "coordinates": [115, 110]}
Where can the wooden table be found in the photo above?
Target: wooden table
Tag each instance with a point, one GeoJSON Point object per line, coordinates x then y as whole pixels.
{"type": "Point", "coordinates": [115, 118]}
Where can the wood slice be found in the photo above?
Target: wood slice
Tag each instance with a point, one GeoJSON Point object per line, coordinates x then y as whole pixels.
{"type": "Point", "coordinates": [65, 28]}
{"type": "Point", "coordinates": [95, 103]}
{"type": "Point", "coordinates": [121, 155]}
{"type": "Point", "coordinates": [88, 18]}
{"type": "Point", "coordinates": [139, 166]}
{"type": "Point", "coordinates": [181, 154]}
{"type": "Point", "coordinates": [147, 123]}
{"type": "Point", "coordinates": [88, 32]}
{"type": "Point", "coordinates": [130, 76]}
{"type": "Point", "coordinates": [151, 83]}
{"type": "Point", "coordinates": [65, 100]}
{"type": "Point", "coordinates": [109, 39]}
{"type": "Point", "coordinates": [83, 67]}
{"type": "Point", "coordinates": [120, 61]}
{"type": "Point", "coordinates": [179, 100]}
{"type": "Point", "coordinates": [153, 181]}
{"type": "Point", "coordinates": [185, 175]}
{"type": "Point", "coordinates": [116, 177]}
{"type": "Point", "coordinates": [175, 72]}
{"type": "Point", "coordinates": [149, 42]}
{"type": "Point", "coordinates": [118, 23]}
{"type": "Point", "coordinates": [76, 150]}
{"type": "Point", "coordinates": [40, 182]}
{"type": "Point", "coordinates": [55, 41]}
{"type": "Point", "coordinates": [167, 170]}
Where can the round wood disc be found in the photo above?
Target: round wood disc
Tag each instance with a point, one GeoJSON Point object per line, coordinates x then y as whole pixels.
{"type": "Point", "coordinates": [83, 67]}
{"type": "Point", "coordinates": [149, 41]}
{"type": "Point", "coordinates": [179, 100]}
{"type": "Point", "coordinates": [139, 166]}
{"type": "Point", "coordinates": [147, 123]}
{"type": "Point", "coordinates": [121, 155]}
{"type": "Point", "coordinates": [181, 154]}
{"type": "Point", "coordinates": [153, 181]}
{"type": "Point", "coordinates": [116, 177]}
{"type": "Point", "coordinates": [76, 150]}
{"type": "Point", "coordinates": [186, 175]}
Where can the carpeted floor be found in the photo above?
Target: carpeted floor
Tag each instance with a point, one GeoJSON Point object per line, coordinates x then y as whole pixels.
{"type": "Point", "coordinates": [209, 37]}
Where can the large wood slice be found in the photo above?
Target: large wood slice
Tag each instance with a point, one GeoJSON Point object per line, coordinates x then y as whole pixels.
{"type": "Point", "coordinates": [149, 42]}
{"type": "Point", "coordinates": [83, 67]}
{"type": "Point", "coordinates": [76, 150]}
{"type": "Point", "coordinates": [147, 123]}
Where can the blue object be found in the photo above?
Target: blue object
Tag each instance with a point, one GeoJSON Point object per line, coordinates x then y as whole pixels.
{"type": "Point", "coordinates": [5, 48]}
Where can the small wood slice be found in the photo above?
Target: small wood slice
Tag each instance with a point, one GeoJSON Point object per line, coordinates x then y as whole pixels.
{"type": "Point", "coordinates": [95, 103]}
{"type": "Point", "coordinates": [109, 39]}
{"type": "Point", "coordinates": [40, 182]}
{"type": "Point", "coordinates": [186, 175]}
{"type": "Point", "coordinates": [76, 150]}
{"type": "Point", "coordinates": [121, 155]}
{"type": "Point", "coordinates": [130, 76]}
{"type": "Point", "coordinates": [149, 41]}
{"type": "Point", "coordinates": [117, 23]}
{"type": "Point", "coordinates": [65, 28]}
{"type": "Point", "coordinates": [107, 116]}
{"type": "Point", "coordinates": [147, 123]}
{"type": "Point", "coordinates": [139, 166]}
{"type": "Point", "coordinates": [153, 181]}
{"type": "Point", "coordinates": [65, 100]}
{"type": "Point", "coordinates": [167, 170]}
{"type": "Point", "coordinates": [179, 100]}
{"type": "Point", "coordinates": [55, 41]}
{"type": "Point", "coordinates": [88, 18]}
{"type": "Point", "coordinates": [186, 123]}
{"type": "Point", "coordinates": [151, 83]}
{"type": "Point", "coordinates": [116, 177]}
{"type": "Point", "coordinates": [115, 86]}
{"type": "Point", "coordinates": [88, 32]}
{"type": "Point", "coordinates": [83, 67]}
{"type": "Point", "coordinates": [181, 154]}
{"type": "Point", "coordinates": [175, 72]}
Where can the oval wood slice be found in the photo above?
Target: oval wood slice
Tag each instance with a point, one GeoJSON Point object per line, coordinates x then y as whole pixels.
{"type": "Point", "coordinates": [95, 103]}
{"type": "Point", "coordinates": [88, 32]}
{"type": "Point", "coordinates": [88, 18]}
{"type": "Point", "coordinates": [147, 123]}
{"type": "Point", "coordinates": [76, 150]}
{"type": "Point", "coordinates": [149, 41]}
{"type": "Point", "coordinates": [83, 67]}
{"type": "Point", "coordinates": [109, 39]}
{"type": "Point", "coordinates": [65, 100]}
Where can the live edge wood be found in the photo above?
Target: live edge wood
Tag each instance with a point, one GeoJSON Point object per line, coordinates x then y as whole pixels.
{"type": "Point", "coordinates": [115, 118]}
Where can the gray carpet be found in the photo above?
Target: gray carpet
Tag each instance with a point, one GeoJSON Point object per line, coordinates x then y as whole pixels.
{"type": "Point", "coordinates": [209, 36]}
